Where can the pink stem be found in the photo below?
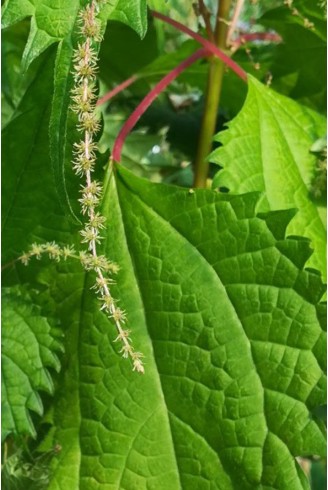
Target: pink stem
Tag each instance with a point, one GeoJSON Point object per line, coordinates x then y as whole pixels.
{"type": "Point", "coordinates": [117, 89]}
{"type": "Point", "coordinates": [145, 103]}
{"type": "Point", "coordinates": [206, 43]}
{"type": "Point", "coordinates": [234, 20]}
{"type": "Point", "coordinates": [256, 36]}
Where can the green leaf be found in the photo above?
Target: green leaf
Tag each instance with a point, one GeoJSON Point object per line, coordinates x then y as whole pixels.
{"type": "Point", "coordinates": [13, 85]}
{"type": "Point", "coordinates": [28, 349]}
{"type": "Point", "coordinates": [299, 67]}
{"type": "Point", "coordinates": [52, 23]}
{"type": "Point", "coordinates": [30, 198]}
{"type": "Point", "coordinates": [138, 153]}
{"type": "Point", "coordinates": [228, 322]}
{"type": "Point", "coordinates": [132, 13]}
{"type": "Point", "coordinates": [267, 149]}
{"type": "Point", "coordinates": [119, 42]}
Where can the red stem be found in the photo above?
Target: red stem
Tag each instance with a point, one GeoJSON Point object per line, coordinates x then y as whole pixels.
{"type": "Point", "coordinates": [117, 89]}
{"type": "Point", "coordinates": [145, 103]}
{"type": "Point", "coordinates": [256, 36]}
{"type": "Point", "coordinates": [206, 43]}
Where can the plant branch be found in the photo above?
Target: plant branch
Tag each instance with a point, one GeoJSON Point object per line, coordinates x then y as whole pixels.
{"type": "Point", "coordinates": [9, 264]}
{"type": "Point", "coordinates": [212, 48]}
{"type": "Point", "coordinates": [238, 8]}
{"type": "Point", "coordinates": [212, 98]}
{"type": "Point", "coordinates": [145, 103]}
{"type": "Point", "coordinates": [255, 36]}
{"type": "Point", "coordinates": [117, 89]}
{"type": "Point", "coordinates": [204, 12]}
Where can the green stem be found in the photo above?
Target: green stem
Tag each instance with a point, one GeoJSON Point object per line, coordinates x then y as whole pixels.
{"type": "Point", "coordinates": [212, 97]}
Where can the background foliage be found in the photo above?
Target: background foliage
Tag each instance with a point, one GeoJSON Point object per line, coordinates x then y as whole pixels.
{"type": "Point", "coordinates": [222, 290]}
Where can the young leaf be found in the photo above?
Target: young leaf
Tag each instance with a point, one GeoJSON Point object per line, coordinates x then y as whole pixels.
{"type": "Point", "coordinates": [28, 349]}
{"type": "Point", "coordinates": [219, 303]}
{"type": "Point", "coordinates": [267, 149]}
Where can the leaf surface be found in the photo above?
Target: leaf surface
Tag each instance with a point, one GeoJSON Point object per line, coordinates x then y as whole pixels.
{"type": "Point", "coordinates": [267, 149]}
{"type": "Point", "coordinates": [228, 322]}
{"type": "Point", "coordinates": [56, 22]}
{"type": "Point", "coordinates": [133, 13]}
{"type": "Point", "coordinates": [28, 350]}
{"type": "Point", "coordinates": [29, 195]}
{"type": "Point", "coordinates": [300, 64]}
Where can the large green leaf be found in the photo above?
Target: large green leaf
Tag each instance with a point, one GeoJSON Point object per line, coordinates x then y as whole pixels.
{"type": "Point", "coordinates": [28, 349]}
{"type": "Point", "coordinates": [53, 22]}
{"type": "Point", "coordinates": [29, 196]}
{"type": "Point", "coordinates": [267, 149]}
{"type": "Point", "coordinates": [56, 22]}
{"type": "Point", "coordinates": [228, 322]}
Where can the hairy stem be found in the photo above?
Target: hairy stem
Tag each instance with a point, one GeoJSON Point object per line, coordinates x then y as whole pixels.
{"type": "Point", "coordinates": [212, 98]}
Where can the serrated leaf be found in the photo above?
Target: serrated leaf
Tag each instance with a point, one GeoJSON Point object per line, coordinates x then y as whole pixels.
{"type": "Point", "coordinates": [233, 346]}
{"type": "Point", "coordinates": [51, 22]}
{"type": "Point", "coordinates": [267, 149]}
{"type": "Point", "coordinates": [28, 350]}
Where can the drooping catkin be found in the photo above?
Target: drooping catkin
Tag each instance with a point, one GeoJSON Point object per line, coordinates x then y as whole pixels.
{"type": "Point", "coordinates": [84, 105]}
{"type": "Point", "coordinates": [84, 99]}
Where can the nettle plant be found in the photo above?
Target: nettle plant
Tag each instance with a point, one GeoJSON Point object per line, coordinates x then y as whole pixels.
{"type": "Point", "coordinates": [211, 291]}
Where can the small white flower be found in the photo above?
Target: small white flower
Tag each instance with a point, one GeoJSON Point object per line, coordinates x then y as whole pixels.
{"type": "Point", "coordinates": [138, 366]}
{"type": "Point", "coordinates": [125, 351]}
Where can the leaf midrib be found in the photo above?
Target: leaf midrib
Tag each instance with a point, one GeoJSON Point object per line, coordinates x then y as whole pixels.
{"type": "Point", "coordinates": [158, 380]}
{"type": "Point", "coordinates": [216, 278]}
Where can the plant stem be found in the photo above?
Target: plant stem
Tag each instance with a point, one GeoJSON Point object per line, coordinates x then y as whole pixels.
{"type": "Point", "coordinates": [145, 103]}
{"type": "Point", "coordinates": [212, 97]}
{"type": "Point", "coordinates": [203, 10]}
{"type": "Point", "coordinates": [117, 89]}
{"type": "Point", "coordinates": [212, 48]}
{"type": "Point", "coordinates": [255, 36]}
{"type": "Point", "coordinates": [238, 8]}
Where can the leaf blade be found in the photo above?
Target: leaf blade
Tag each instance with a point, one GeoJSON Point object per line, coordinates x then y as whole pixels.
{"type": "Point", "coordinates": [267, 149]}
{"type": "Point", "coordinates": [28, 351]}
